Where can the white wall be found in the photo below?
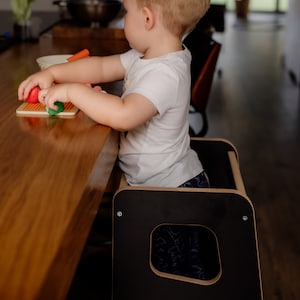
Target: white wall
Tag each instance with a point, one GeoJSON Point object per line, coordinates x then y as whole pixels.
{"type": "Point", "coordinates": [292, 41]}
{"type": "Point", "coordinates": [40, 5]}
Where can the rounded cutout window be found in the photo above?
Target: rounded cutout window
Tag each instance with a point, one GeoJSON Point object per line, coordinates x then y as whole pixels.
{"type": "Point", "coordinates": [185, 252]}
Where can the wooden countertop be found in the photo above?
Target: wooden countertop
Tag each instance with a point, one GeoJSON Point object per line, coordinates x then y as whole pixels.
{"type": "Point", "coordinates": [53, 173]}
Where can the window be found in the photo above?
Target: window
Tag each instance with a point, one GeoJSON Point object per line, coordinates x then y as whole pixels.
{"type": "Point", "coordinates": [258, 5]}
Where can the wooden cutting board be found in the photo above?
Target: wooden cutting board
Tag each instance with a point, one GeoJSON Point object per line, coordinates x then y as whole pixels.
{"type": "Point", "coordinates": [39, 110]}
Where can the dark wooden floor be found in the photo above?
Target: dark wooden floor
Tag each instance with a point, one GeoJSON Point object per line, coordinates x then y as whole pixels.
{"type": "Point", "coordinates": [255, 105]}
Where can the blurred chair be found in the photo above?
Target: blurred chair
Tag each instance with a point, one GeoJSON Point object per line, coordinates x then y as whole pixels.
{"type": "Point", "coordinates": [205, 52]}
{"type": "Point", "coordinates": [214, 19]}
{"type": "Point", "coordinates": [223, 216]}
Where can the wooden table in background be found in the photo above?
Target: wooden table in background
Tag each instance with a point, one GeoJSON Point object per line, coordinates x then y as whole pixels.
{"type": "Point", "coordinates": [53, 173]}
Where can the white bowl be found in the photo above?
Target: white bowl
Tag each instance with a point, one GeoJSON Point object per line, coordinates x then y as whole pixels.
{"type": "Point", "coordinates": [49, 60]}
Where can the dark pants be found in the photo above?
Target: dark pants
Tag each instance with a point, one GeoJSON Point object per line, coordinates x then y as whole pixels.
{"type": "Point", "coordinates": [199, 181]}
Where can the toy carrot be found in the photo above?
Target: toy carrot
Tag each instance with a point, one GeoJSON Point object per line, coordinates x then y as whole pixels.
{"type": "Point", "coordinates": [81, 54]}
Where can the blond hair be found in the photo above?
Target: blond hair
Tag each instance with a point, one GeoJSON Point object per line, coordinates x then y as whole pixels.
{"type": "Point", "coordinates": [179, 16]}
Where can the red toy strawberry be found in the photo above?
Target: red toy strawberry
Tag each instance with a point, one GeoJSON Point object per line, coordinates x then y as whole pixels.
{"type": "Point", "coordinates": [33, 96]}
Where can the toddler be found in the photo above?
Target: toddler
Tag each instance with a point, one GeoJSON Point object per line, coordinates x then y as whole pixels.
{"type": "Point", "coordinates": [152, 113]}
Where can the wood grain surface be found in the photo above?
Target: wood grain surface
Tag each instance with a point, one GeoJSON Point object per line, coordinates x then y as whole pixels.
{"type": "Point", "coordinates": [53, 173]}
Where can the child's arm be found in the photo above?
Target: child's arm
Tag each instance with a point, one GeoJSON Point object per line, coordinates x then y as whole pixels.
{"type": "Point", "coordinates": [121, 114]}
{"type": "Point", "coordinates": [104, 108]}
{"type": "Point", "coordinates": [87, 70]}
{"type": "Point", "coordinates": [90, 70]}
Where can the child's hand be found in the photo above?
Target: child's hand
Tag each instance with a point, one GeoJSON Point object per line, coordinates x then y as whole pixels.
{"type": "Point", "coordinates": [61, 93]}
{"type": "Point", "coordinates": [43, 79]}
{"type": "Point", "coordinates": [55, 93]}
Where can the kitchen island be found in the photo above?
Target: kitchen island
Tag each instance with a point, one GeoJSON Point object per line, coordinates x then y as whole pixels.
{"type": "Point", "coordinates": [53, 174]}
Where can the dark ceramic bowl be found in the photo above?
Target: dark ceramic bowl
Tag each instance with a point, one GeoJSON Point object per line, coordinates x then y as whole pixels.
{"type": "Point", "coordinates": [89, 12]}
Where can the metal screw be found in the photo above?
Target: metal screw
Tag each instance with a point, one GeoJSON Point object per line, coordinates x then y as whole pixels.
{"type": "Point", "coordinates": [119, 214]}
{"type": "Point", "coordinates": [245, 218]}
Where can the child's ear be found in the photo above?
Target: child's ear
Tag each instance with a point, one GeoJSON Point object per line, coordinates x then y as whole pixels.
{"type": "Point", "coordinates": [149, 18]}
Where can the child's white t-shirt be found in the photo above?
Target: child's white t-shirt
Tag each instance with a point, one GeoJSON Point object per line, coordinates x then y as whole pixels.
{"type": "Point", "coordinates": [158, 152]}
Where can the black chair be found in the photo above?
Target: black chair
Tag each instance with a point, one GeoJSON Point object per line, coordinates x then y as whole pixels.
{"type": "Point", "coordinates": [214, 19]}
{"type": "Point", "coordinates": [205, 52]}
